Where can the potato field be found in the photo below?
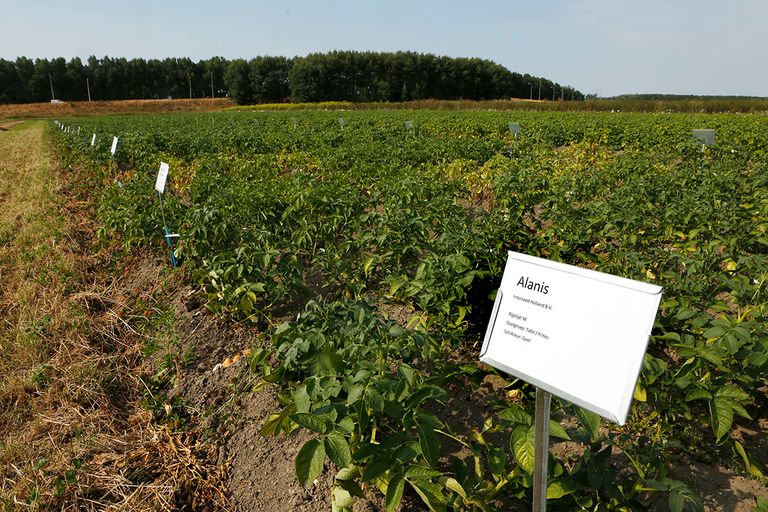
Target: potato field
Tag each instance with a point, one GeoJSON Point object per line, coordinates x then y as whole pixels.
{"type": "Point", "coordinates": [365, 249]}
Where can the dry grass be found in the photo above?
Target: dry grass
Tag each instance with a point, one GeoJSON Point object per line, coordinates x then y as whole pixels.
{"type": "Point", "coordinates": [73, 435]}
{"type": "Point", "coordinates": [85, 108]}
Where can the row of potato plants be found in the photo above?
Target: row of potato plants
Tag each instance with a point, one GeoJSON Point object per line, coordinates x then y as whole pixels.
{"type": "Point", "coordinates": [385, 234]}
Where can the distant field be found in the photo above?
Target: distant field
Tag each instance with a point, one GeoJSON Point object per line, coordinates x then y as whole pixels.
{"type": "Point", "coordinates": [77, 108]}
{"type": "Point", "coordinates": [683, 105]}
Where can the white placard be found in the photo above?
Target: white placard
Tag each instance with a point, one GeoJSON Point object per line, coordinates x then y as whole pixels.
{"type": "Point", "coordinates": [409, 125]}
{"type": "Point", "coordinates": [706, 137]}
{"type": "Point", "coordinates": [114, 146]}
{"type": "Point", "coordinates": [514, 128]}
{"type": "Point", "coordinates": [93, 139]}
{"type": "Point", "coordinates": [162, 175]}
{"type": "Point", "coordinates": [576, 333]}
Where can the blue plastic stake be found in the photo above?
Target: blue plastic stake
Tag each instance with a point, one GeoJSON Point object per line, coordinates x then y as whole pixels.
{"type": "Point", "coordinates": [168, 236]}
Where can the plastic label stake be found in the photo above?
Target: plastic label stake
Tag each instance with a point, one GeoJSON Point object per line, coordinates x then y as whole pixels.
{"type": "Point", "coordinates": [162, 176]}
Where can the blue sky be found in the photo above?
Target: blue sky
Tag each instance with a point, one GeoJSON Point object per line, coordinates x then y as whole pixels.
{"type": "Point", "coordinates": [598, 46]}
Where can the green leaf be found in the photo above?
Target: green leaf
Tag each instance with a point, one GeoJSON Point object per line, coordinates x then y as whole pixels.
{"type": "Point", "coordinates": [309, 461]}
{"type": "Point", "coordinates": [557, 430]}
{"type": "Point", "coordinates": [676, 501]}
{"type": "Point", "coordinates": [721, 414]}
{"type": "Point", "coordinates": [373, 400]}
{"type": "Point", "coordinates": [415, 472]}
{"type": "Point", "coordinates": [311, 422]}
{"type": "Point", "coordinates": [522, 443]}
{"type": "Point", "coordinates": [377, 467]}
{"type": "Point", "coordinates": [559, 487]}
{"type": "Point", "coordinates": [515, 414]}
{"type": "Point", "coordinates": [430, 494]}
{"type": "Point", "coordinates": [733, 392]}
{"type": "Point", "coordinates": [713, 332]}
{"type": "Point", "coordinates": [497, 461]}
{"type": "Point", "coordinates": [354, 393]}
{"type": "Point", "coordinates": [341, 499]}
{"type": "Point", "coordinates": [454, 485]}
{"type": "Point", "coordinates": [429, 443]}
{"type": "Point", "coordinates": [338, 450]}
{"type": "Point", "coordinates": [698, 394]}
{"type": "Point", "coordinates": [752, 466]}
{"type": "Point", "coordinates": [394, 494]}
{"type": "Point", "coordinates": [589, 420]}
{"type": "Point", "coordinates": [301, 399]}
{"type": "Point", "coordinates": [641, 394]}
{"type": "Point", "coordinates": [685, 314]}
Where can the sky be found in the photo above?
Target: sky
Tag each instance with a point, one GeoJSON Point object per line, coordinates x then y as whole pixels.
{"type": "Point", "coordinates": [603, 47]}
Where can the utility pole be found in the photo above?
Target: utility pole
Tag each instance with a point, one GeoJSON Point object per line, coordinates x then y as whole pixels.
{"type": "Point", "coordinates": [554, 89]}
{"type": "Point", "coordinates": [539, 89]}
{"type": "Point", "coordinates": [189, 79]}
{"type": "Point", "coordinates": [213, 94]}
{"type": "Point", "coordinates": [88, 85]}
{"type": "Point", "coordinates": [50, 81]}
{"type": "Point", "coordinates": [531, 84]}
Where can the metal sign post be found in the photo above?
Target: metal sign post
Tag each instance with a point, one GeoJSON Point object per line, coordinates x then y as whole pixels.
{"type": "Point", "coordinates": [541, 450]}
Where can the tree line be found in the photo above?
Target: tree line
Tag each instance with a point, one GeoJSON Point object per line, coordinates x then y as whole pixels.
{"type": "Point", "coordinates": [333, 76]}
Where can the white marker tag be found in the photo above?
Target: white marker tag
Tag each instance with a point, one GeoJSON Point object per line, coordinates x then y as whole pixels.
{"type": "Point", "coordinates": [114, 146]}
{"type": "Point", "coordinates": [162, 175]}
{"type": "Point", "coordinates": [705, 137]}
{"type": "Point", "coordinates": [514, 128]}
{"type": "Point", "coordinates": [93, 139]}
{"type": "Point", "coordinates": [576, 333]}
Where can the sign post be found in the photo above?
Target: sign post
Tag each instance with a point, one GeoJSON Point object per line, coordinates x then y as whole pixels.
{"type": "Point", "coordinates": [162, 176]}
{"type": "Point", "coordinates": [541, 450]}
{"type": "Point", "coordinates": [575, 333]}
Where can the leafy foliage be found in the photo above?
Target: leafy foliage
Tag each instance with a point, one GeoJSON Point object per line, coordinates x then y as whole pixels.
{"type": "Point", "coordinates": [386, 244]}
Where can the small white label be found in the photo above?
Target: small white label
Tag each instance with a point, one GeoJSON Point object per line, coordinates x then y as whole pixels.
{"type": "Point", "coordinates": [341, 122]}
{"type": "Point", "coordinates": [577, 333]}
{"type": "Point", "coordinates": [93, 139]}
{"type": "Point", "coordinates": [514, 128]}
{"type": "Point", "coordinates": [705, 137]}
{"type": "Point", "coordinates": [114, 146]}
{"type": "Point", "coordinates": [409, 125]}
{"type": "Point", "coordinates": [162, 175]}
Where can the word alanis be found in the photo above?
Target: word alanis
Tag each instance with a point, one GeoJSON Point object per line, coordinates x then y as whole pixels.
{"type": "Point", "coordinates": [531, 285]}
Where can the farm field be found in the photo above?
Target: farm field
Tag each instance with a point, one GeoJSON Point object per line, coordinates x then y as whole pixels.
{"type": "Point", "coordinates": [342, 267]}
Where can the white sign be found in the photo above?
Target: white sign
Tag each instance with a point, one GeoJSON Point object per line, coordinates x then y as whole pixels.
{"type": "Point", "coordinates": [114, 146]}
{"type": "Point", "coordinates": [162, 175]}
{"type": "Point", "coordinates": [514, 128]}
{"type": "Point", "coordinates": [705, 137]}
{"type": "Point", "coordinates": [409, 125]}
{"type": "Point", "coordinates": [576, 333]}
{"type": "Point", "coordinates": [93, 139]}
